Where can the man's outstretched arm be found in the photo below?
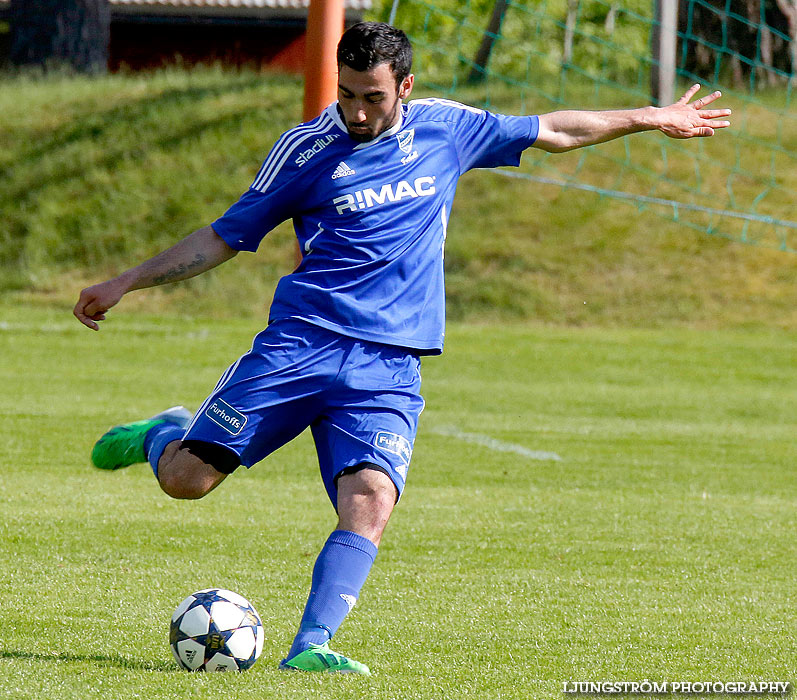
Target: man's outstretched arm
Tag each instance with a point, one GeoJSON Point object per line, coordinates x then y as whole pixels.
{"type": "Point", "coordinates": [566, 130]}
{"type": "Point", "coordinates": [195, 254]}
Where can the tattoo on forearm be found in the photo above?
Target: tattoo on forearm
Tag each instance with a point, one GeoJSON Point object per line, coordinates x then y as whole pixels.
{"type": "Point", "coordinates": [179, 271]}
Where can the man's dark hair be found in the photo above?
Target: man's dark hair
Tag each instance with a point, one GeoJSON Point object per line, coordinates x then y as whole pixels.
{"type": "Point", "coordinates": [369, 44]}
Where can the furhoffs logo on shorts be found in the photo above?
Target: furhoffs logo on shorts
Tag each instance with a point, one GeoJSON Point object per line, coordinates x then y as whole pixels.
{"type": "Point", "coordinates": [221, 413]}
{"type": "Point", "coordinates": [397, 445]}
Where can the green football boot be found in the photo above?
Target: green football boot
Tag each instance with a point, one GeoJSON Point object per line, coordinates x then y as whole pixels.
{"type": "Point", "coordinates": [123, 445]}
{"type": "Point", "coordinates": [320, 658]}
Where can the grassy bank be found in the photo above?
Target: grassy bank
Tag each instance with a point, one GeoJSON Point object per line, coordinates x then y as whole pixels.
{"type": "Point", "coordinates": [95, 175]}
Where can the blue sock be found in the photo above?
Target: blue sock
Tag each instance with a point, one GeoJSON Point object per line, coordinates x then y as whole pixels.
{"type": "Point", "coordinates": [338, 575]}
{"type": "Point", "coordinates": [156, 440]}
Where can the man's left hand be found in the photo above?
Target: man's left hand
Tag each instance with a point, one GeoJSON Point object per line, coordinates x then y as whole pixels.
{"type": "Point", "coordinates": [685, 119]}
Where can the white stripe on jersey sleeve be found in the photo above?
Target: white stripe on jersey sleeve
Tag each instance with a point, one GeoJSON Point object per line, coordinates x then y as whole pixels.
{"type": "Point", "coordinates": [285, 146]}
{"type": "Point", "coordinates": [281, 143]}
{"type": "Point", "coordinates": [276, 149]}
{"type": "Point", "coordinates": [445, 103]}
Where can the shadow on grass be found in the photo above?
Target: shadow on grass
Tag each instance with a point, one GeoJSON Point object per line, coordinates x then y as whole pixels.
{"type": "Point", "coordinates": [11, 252]}
{"type": "Point", "coordinates": [116, 153]}
{"type": "Point", "coordinates": [95, 122]}
{"type": "Point", "coordinates": [99, 659]}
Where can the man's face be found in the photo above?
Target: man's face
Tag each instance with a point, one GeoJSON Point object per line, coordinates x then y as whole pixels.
{"type": "Point", "coordinates": [370, 100]}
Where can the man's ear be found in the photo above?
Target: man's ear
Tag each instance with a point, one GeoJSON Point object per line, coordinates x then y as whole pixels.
{"type": "Point", "coordinates": [406, 86]}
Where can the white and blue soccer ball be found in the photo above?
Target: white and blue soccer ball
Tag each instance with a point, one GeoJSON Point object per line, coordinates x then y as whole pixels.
{"type": "Point", "coordinates": [216, 630]}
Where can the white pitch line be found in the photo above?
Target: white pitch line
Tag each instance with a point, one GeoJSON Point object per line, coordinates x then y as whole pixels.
{"type": "Point", "coordinates": [493, 444]}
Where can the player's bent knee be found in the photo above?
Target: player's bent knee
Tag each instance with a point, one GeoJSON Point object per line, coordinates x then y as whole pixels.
{"type": "Point", "coordinates": [365, 502]}
{"type": "Point", "coordinates": [182, 489]}
{"type": "Point", "coordinates": [186, 476]}
{"type": "Point", "coordinates": [180, 486]}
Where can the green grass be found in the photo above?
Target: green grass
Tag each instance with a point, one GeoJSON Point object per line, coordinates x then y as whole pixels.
{"type": "Point", "coordinates": [96, 175]}
{"type": "Point", "coordinates": [661, 547]}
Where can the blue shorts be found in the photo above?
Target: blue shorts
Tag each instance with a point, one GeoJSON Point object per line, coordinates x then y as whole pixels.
{"type": "Point", "coordinates": [360, 399]}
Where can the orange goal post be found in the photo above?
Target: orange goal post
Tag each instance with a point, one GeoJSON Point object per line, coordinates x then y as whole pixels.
{"type": "Point", "coordinates": [324, 28]}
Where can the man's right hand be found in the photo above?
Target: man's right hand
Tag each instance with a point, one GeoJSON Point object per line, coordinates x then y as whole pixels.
{"type": "Point", "coordinates": [193, 255]}
{"type": "Point", "coordinates": [94, 301]}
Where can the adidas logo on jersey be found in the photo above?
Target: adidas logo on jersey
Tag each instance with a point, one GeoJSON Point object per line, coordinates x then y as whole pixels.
{"type": "Point", "coordinates": [342, 170]}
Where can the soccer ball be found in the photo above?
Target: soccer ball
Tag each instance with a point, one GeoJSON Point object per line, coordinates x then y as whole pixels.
{"type": "Point", "coordinates": [216, 630]}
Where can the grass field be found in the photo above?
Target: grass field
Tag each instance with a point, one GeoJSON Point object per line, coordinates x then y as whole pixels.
{"type": "Point", "coordinates": [661, 546]}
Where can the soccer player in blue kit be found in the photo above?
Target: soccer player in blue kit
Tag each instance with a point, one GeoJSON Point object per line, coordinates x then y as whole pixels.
{"type": "Point", "coordinates": [369, 185]}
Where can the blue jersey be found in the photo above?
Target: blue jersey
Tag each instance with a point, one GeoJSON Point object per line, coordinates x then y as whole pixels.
{"type": "Point", "coordinates": [371, 217]}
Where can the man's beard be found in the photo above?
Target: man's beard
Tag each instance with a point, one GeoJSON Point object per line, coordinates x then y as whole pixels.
{"type": "Point", "coordinates": [368, 136]}
{"type": "Point", "coordinates": [360, 137]}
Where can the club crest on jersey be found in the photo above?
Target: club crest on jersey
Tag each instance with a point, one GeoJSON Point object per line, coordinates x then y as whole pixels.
{"type": "Point", "coordinates": [405, 140]}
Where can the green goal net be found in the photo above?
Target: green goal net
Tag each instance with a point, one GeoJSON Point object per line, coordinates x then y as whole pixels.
{"type": "Point", "coordinates": [534, 56]}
